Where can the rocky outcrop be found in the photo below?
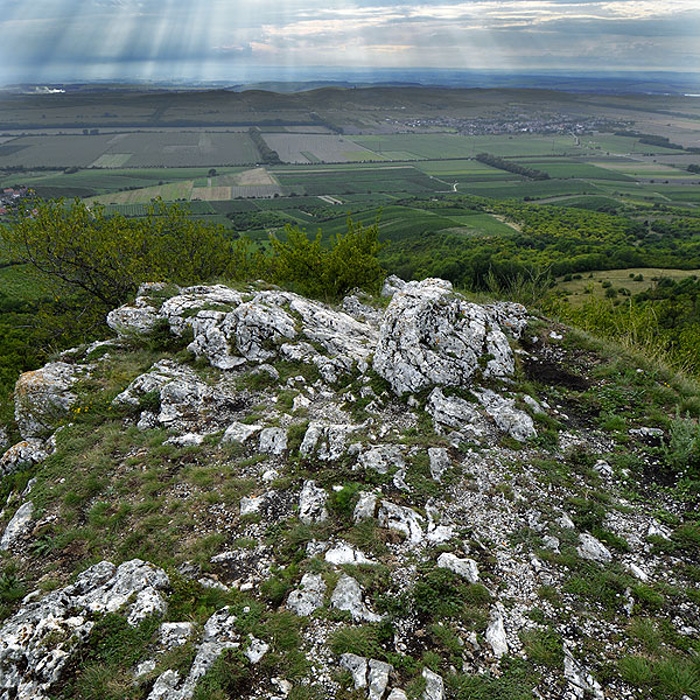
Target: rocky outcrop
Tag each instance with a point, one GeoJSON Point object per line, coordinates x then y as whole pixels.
{"type": "Point", "coordinates": [38, 641]}
{"type": "Point", "coordinates": [361, 492]}
{"type": "Point", "coordinates": [18, 527]}
{"type": "Point", "coordinates": [430, 336]}
{"type": "Point", "coordinates": [23, 454]}
{"type": "Point", "coordinates": [44, 397]}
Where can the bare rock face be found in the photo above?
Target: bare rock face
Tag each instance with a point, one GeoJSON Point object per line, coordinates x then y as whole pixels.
{"type": "Point", "coordinates": [431, 337]}
{"type": "Point", "coordinates": [43, 398]}
{"type": "Point", "coordinates": [348, 596]}
{"type": "Point", "coordinates": [181, 399]}
{"type": "Point", "coordinates": [309, 596]}
{"type": "Point", "coordinates": [37, 642]}
{"type": "Point", "coordinates": [234, 328]}
{"type": "Point", "coordinates": [26, 452]}
{"type": "Point", "coordinates": [18, 527]}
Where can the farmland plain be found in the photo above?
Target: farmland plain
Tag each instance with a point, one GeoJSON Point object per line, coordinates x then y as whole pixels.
{"type": "Point", "coordinates": [323, 154]}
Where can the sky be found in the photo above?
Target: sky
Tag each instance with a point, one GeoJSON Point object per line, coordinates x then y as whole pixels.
{"type": "Point", "coordinates": [239, 40]}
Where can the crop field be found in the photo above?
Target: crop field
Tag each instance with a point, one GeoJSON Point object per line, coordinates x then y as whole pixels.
{"type": "Point", "coordinates": [461, 169]}
{"type": "Point", "coordinates": [66, 151]}
{"type": "Point", "coordinates": [644, 169]}
{"type": "Point", "coordinates": [612, 144]}
{"type": "Point", "coordinates": [562, 169]}
{"type": "Point", "coordinates": [379, 179]}
{"type": "Point", "coordinates": [169, 149]}
{"type": "Point", "coordinates": [170, 193]}
{"type": "Point", "coordinates": [318, 148]}
{"type": "Point", "coordinates": [521, 189]}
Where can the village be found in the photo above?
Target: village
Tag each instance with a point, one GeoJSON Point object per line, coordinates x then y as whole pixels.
{"type": "Point", "coordinates": [10, 196]}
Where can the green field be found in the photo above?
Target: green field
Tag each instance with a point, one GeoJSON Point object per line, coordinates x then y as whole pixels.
{"type": "Point", "coordinates": [381, 179]}
{"type": "Point", "coordinates": [569, 168]}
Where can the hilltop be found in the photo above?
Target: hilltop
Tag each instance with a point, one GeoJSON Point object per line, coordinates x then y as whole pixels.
{"type": "Point", "coordinates": [249, 494]}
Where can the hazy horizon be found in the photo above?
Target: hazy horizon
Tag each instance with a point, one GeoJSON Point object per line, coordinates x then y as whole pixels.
{"type": "Point", "coordinates": [253, 40]}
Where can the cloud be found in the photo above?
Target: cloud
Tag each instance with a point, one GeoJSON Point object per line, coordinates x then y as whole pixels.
{"type": "Point", "coordinates": [446, 33]}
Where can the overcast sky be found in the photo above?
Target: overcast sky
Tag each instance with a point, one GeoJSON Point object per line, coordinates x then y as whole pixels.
{"type": "Point", "coordinates": [62, 40]}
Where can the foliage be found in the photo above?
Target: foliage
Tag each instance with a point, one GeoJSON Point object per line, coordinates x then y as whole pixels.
{"type": "Point", "coordinates": [328, 273]}
{"type": "Point", "coordinates": [106, 257]}
{"type": "Point", "coordinates": [511, 167]}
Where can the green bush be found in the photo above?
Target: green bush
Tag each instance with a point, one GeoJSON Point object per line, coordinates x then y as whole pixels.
{"type": "Point", "coordinates": [304, 265]}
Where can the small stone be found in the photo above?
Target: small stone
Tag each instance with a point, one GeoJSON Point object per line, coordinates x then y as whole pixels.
{"type": "Point", "coordinates": [434, 685]}
{"type": "Point", "coordinates": [273, 441]}
{"type": "Point", "coordinates": [343, 553]}
{"type": "Point", "coordinates": [357, 665]}
{"type": "Point", "coordinates": [604, 469]}
{"type": "Point", "coordinates": [312, 503]}
{"type": "Point", "coordinates": [378, 679]}
{"type": "Point", "coordinates": [366, 506]}
{"type": "Point", "coordinates": [397, 694]}
{"type": "Point", "coordinates": [439, 462]}
{"type": "Point", "coordinates": [18, 527]}
{"type": "Point", "coordinates": [466, 568]}
{"type": "Point", "coordinates": [240, 432]}
{"type": "Point", "coordinates": [251, 505]}
{"type": "Point", "coordinates": [382, 459]}
{"type": "Point", "coordinates": [175, 634]}
{"type": "Point", "coordinates": [309, 596]}
{"type": "Point", "coordinates": [637, 572]}
{"type": "Point", "coordinates": [348, 596]}
{"type": "Point", "coordinates": [496, 634]}
{"type": "Point", "coordinates": [256, 650]}
{"type": "Point", "coordinates": [402, 519]}
{"type": "Point", "coordinates": [592, 549]}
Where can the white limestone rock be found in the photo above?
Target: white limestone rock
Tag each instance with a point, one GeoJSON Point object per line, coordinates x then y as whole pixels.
{"type": "Point", "coordinates": [138, 319]}
{"type": "Point", "coordinates": [439, 462]}
{"type": "Point", "coordinates": [250, 505]}
{"type": "Point", "coordinates": [510, 316]}
{"type": "Point", "coordinates": [397, 694]}
{"type": "Point", "coordinates": [378, 679]}
{"type": "Point", "coordinates": [24, 453]}
{"type": "Point", "coordinates": [273, 441]}
{"type": "Point", "coordinates": [592, 549]}
{"type": "Point", "coordinates": [186, 403]}
{"type": "Point", "coordinates": [366, 506]}
{"type": "Point", "coordinates": [383, 458]}
{"type": "Point", "coordinates": [19, 527]}
{"type": "Point", "coordinates": [343, 553]}
{"type": "Point", "coordinates": [392, 284]}
{"type": "Point", "coordinates": [581, 682]}
{"type": "Point", "coordinates": [430, 336]}
{"type": "Point", "coordinates": [312, 503]}
{"type": "Point", "coordinates": [457, 413]}
{"type": "Point", "coordinates": [496, 634]}
{"type": "Point", "coordinates": [357, 665]}
{"type": "Point", "coordinates": [434, 685]}
{"type": "Point", "coordinates": [347, 595]}
{"type": "Point", "coordinates": [466, 568]}
{"type": "Point", "coordinates": [175, 634]}
{"type": "Point", "coordinates": [40, 639]}
{"type": "Point", "coordinates": [508, 418]}
{"type": "Point", "coordinates": [219, 635]}
{"type": "Point", "coordinates": [256, 649]}
{"type": "Point", "coordinates": [325, 441]}
{"type": "Point", "coordinates": [309, 596]}
{"type": "Point", "coordinates": [402, 519]}
{"type": "Point", "coordinates": [240, 432]}
{"type": "Point", "coordinates": [44, 397]}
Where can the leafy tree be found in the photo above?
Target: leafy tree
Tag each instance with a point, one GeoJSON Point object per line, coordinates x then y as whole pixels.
{"type": "Point", "coordinates": [328, 273]}
{"type": "Point", "coordinates": [104, 258]}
